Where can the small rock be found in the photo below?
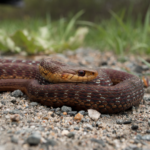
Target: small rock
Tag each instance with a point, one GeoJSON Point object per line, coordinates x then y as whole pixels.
{"type": "Point", "coordinates": [51, 142]}
{"type": "Point", "coordinates": [15, 111]}
{"type": "Point", "coordinates": [5, 112]}
{"type": "Point", "coordinates": [78, 117]}
{"type": "Point", "coordinates": [17, 93]}
{"type": "Point", "coordinates": [65, 132]}
{"type": "Point", "coordinates": [29, 121]}
{"type": "Point", "coordinates": [104, 63]}
{"type": "Point", "coordinates": [119, 121]}
{"type": "Point", "coordinates": [13, 101]}
{"type": "Point", "coordinates": [89, 59]}
{"type": "Point", "coordinates": [114, 132]}
{"type": "Point", "coordinates": [134, 127]}
{"type": "Point", "coordinates": [146, 137]}
{"type": "Point", "coordinates": [127, 121]}
{"type": "Point", "coordinates": [138, 69]}
{"type": "Point", "coordinates": [71, 135]}
{"type": "Point", "coordinates": [52, 115]}
{"type": "Point", "coordinates": [88, 127]}
{"type": "Point", "coordinates": [101, 142]}
{"type": "Point", "coordinates": [14, 140]}
{"type": "Point", "coordinates": [34, 139]}
{"type": "Point", "coordinates": [85, 120]}
{"type": "Point", "coordinates": [33, 104]}
{"type": "Point", "coordinates": [76, 128]}
{"type": "Point", "coordinates": [138, 137]}
{"type": "Point", "coordinates": [15, 118]}
{"type": "Point", "coordinates": [93, 114]}
{"type": "Point", "coordinates": [72, 113]}
{"type": "Point", "coordinates": [45, 118]}
{"type": "Point", "coordinates": [132, 147]}
{"type": "Point", "coordinates": [57, 109]}
{"type": "Point", "coordinates": [81, 112]}
{"type": "Point", "coordinates": [7, 117]}
{"type": "Point", "coordinates": [148, 131]}
{"type": "Point", "coordinates": [66, 109]}
{"type": "Point", "coordinates": [105, 115]}
{"type": "Point", "coordinates": [58, 113]}
{"type": "Point", "coordinates": [93, 124]}
{"type": "Point", "coordinates": [146, 98]}
{"type": "Point", "coordinates": [64, 113]}
{"type": "Point", "coordinates": [149, 122]}
{"type": "Point", "coordinates": [3, 102]}
{"type": "Point", "coordinates": [98, 124]}
{"type": "Point", "coordinates": [85, 113]}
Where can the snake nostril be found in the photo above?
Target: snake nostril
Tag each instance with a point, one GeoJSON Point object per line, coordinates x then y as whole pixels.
{"type": "Point", "coordinates": [81, 73]}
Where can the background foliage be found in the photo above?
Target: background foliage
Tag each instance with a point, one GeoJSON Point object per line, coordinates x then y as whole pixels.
{"type": "Point", "coordinates": [54, 26]}
{"type": "Point", "coordinates": [94, 9]}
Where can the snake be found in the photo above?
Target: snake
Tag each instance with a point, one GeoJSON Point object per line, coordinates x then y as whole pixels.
{"type": "Point", "coordinates": [54, 84]}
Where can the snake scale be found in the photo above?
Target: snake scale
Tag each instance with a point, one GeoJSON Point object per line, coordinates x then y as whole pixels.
{"type": "Point", "coordinates": [111, 91]}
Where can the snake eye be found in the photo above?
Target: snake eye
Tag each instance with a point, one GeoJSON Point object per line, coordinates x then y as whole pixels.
{"type": "Point", "coordinates": [81, 73]}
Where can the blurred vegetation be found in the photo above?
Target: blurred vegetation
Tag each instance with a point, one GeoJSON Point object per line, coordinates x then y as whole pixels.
{"type": "Point", "coordinates": [41, 35]}
{"type": "Point", "coordinates": [53, 26]}
{"type": "Point", "coordinates": [95, 10]}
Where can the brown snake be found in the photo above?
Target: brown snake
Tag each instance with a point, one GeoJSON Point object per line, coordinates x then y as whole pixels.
{"type": "Point", "coordinates": [111, 91]}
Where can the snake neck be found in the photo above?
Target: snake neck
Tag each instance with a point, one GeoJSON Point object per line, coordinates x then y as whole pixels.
{"type": "Point", "coordinates": [20, 70]}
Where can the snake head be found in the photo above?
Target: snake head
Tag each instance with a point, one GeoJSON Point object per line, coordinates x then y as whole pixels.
{"type": "Point", "coordinates": [55, 71]}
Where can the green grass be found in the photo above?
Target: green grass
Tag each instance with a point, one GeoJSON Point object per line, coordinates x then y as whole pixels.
{"type": "Point", "coordinates": [34, 36]}
{"type": "Point", "coordinates": [117, 34]}
{"type": "Point", "coordinates": [130, 36]}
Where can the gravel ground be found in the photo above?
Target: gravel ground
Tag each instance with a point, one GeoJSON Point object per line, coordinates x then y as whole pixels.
{"type": "Point", "coordinates": [28, 125]}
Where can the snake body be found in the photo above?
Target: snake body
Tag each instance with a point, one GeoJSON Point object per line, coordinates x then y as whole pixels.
{"type": "Point", "coordinates": [111, 92]}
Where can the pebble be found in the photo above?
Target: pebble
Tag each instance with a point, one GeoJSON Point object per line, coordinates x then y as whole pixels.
{"type": "Point", "coordinates": [127, 122]}
{"type": "Point", "coordinates": [146, 98]}
{"type": "Point", "coordinates": [139, 137]}
{"type": "Point", "coordinates": [71, 135]}
{"type": "Point", "coordinates": [82, 112]}
{"type": "Point", "coordinates": [88, 127]}
{"type": "Point", "coordinates": [72, 113]}
{"type": "Point", "coordinates": [98, 124]}
{"type": "Point", "coordinates": [51, 142]}
{"type": "Point", "coordinates": [66, 109]}
{"type": "Point", "coordinates": [15, 111]}
{"type": "Point", "coordinates": [93, 114]}
{"type": "Point", "coordinates": [76, 128]}
{"type": "Point", "coordinates": [33, 104]}
{"type": "Point", "coordinates": [137, 69]}
{"type": "Point", "coordinates": [149, 122]}
{"type": "Point", "coordinates": [65, 132]}
{"type": "Point", "coordinates": [57, 109]}
{"type": "Point", "coordinates": [17, 93]}
{"type": "Point", "coordinates": [148, 131]}
{"type": "Point", "coordinates": [78, 117]}
{"type": "Point", "coordinates": [13, 101]}
{"type": "Point", "coordinates": [146, 137]}
{"type": "Point", "coordinates": [34, 139]}
{"type": "Point", "coordinates": [134, 127]}
{"type": "Point", "coordinates": [15, 117]}
{"type": "Point", "coordinates": [119, 121]}
{"type": "Point", "coordinates": [14, 139]}
{"type": "Point", "coordinates": [101, 142]}
{"type": "Point", "coordinates": [85, 120]}
{"type": "Point", "coordinates": [1, 105]}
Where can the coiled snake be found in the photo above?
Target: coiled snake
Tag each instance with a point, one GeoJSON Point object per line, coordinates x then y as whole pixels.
{"type": "Point", "coordinates": [106, 90]}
